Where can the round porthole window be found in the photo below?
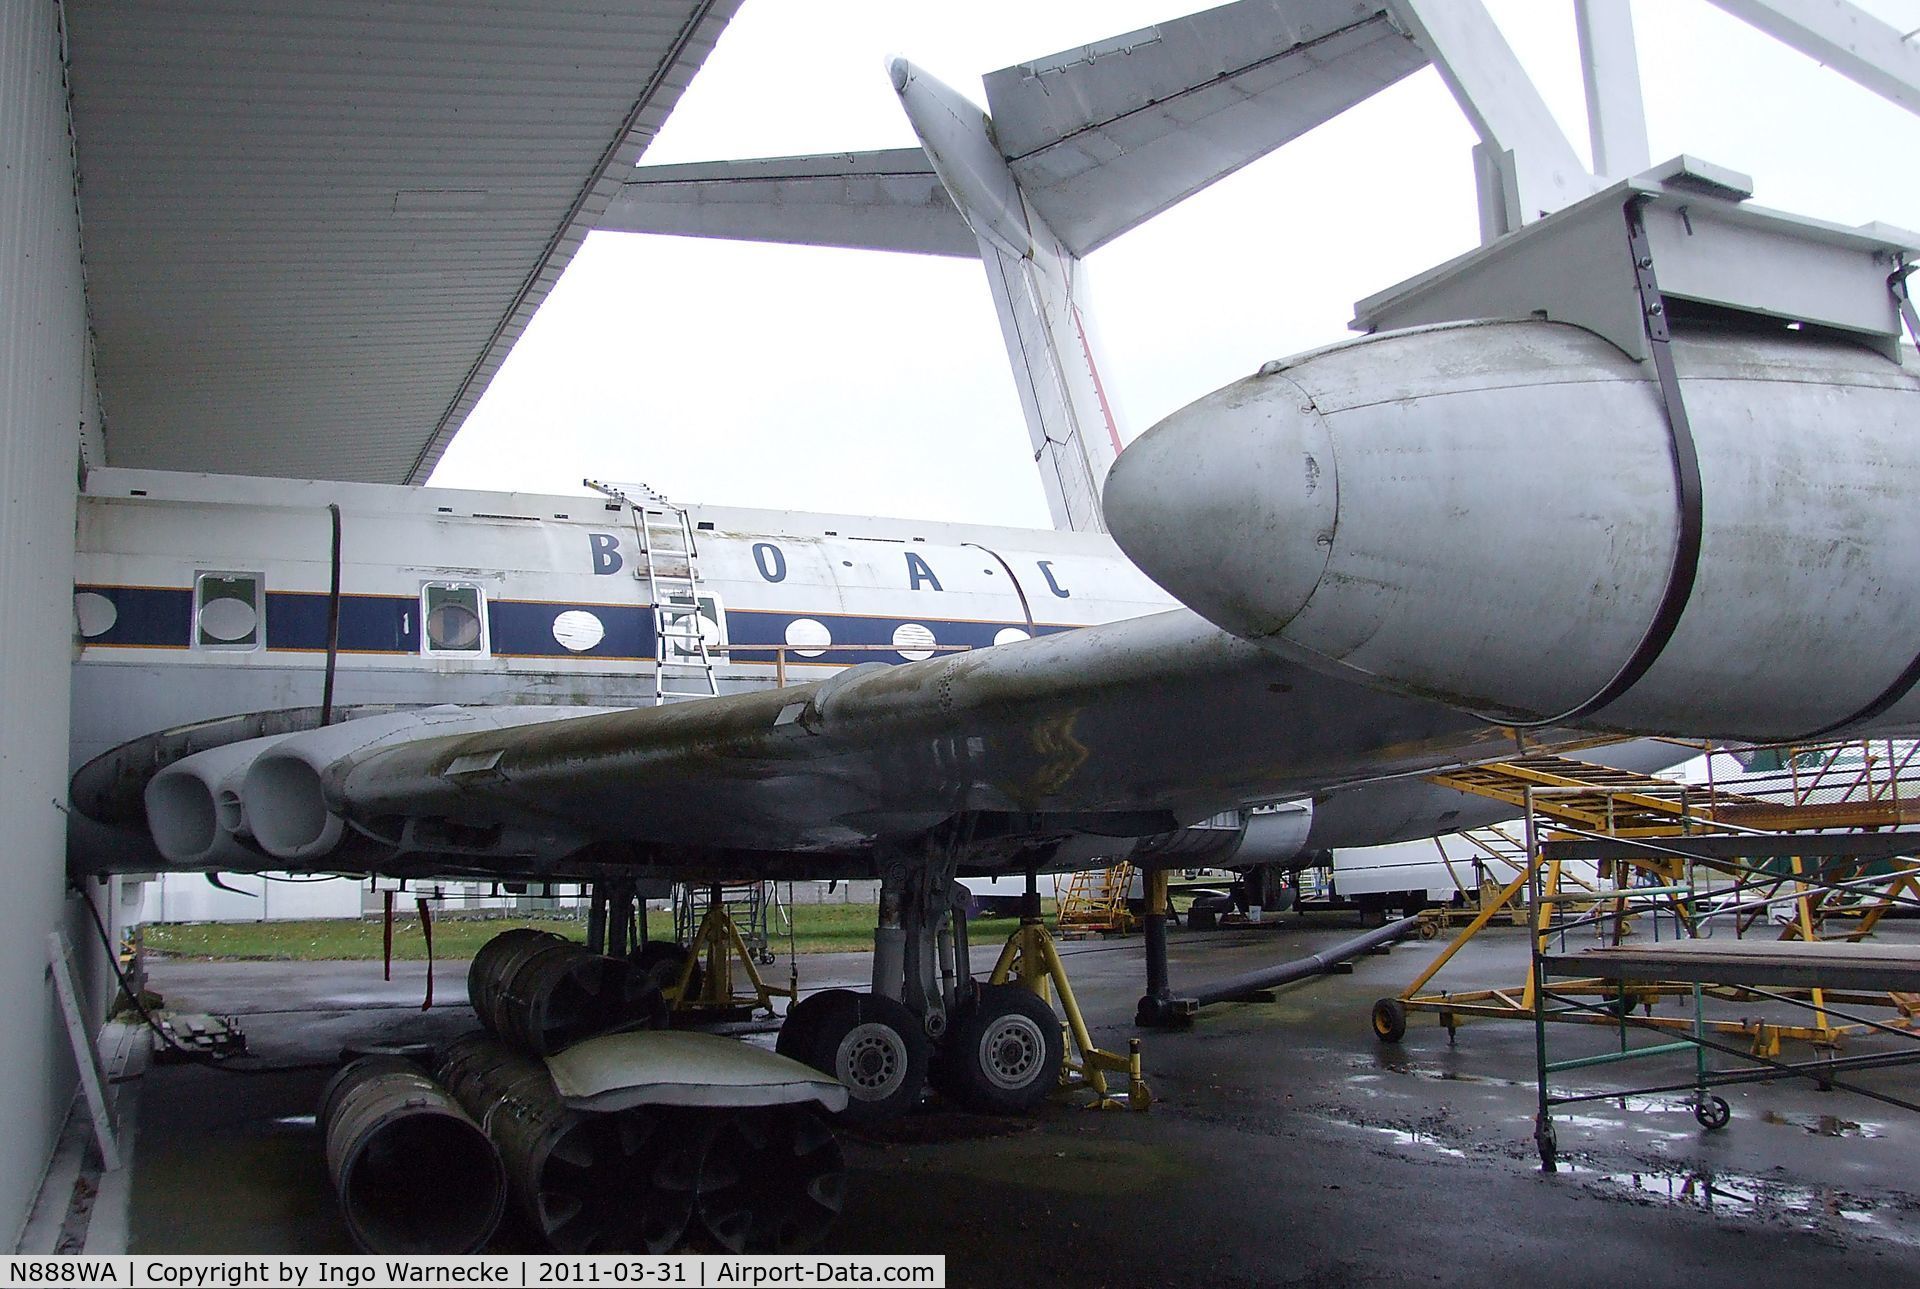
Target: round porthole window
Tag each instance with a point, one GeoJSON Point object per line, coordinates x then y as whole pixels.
{"type": "Point", "coordinates": [578, 630]}
{"type": "Point", "coordinates": [93, 614]}
{"type": "Point", "coordinates": [453, 626]}
{"type": "Point", "coordinates": [228, 620]}
{"type": "Point", "coordinates": [809, 638]}
{"type": "Point", "coordinates": [1007, 635]}
{"type": "Point", "coordinates": [914, 641]}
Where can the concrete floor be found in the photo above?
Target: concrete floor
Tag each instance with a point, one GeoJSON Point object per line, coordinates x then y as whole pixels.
{"type": "Point", "coordinates": [1287, 1146]}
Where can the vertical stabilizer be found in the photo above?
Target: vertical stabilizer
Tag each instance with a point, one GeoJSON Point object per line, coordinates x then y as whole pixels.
{"type": "Point", "coordinates": [1039, 293]}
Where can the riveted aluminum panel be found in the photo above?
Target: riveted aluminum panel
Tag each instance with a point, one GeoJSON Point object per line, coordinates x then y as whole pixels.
{"type": "Point", "coordinates": [313, 231]}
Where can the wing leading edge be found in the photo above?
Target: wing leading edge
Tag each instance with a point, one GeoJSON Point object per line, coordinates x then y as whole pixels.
{"type": "Point", "coordinates": [1129, 729]}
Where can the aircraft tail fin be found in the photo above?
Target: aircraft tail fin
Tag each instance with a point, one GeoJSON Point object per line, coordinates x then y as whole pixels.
{"type": "Point", "coordinates": [1080, 148]}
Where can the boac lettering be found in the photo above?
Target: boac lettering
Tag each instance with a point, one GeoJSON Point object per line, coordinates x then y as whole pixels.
{"type": "Point", "coordinates": [606, 554]}
{"type": "Point", "coordinates": [918, 571]}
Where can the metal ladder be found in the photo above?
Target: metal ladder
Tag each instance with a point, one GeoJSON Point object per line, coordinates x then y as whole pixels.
{"type": "Point", "coordinates": [683, 667]}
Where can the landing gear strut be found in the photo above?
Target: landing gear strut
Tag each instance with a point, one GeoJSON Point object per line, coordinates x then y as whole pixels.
{"type": "Point", "coordinates": [1159, 1009]}
{"type": "Point", "coordinates": [997, 1048]}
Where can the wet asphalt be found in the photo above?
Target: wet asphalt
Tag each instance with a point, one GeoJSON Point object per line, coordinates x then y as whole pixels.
{"type": "Point", "coordinates": [1286, 1145]}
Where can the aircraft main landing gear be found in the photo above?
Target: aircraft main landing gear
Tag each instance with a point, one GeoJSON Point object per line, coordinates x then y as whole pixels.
{"type": "Point", "coordinates": [870, 1042]}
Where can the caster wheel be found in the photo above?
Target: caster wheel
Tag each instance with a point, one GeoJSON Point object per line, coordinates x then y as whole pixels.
{"type": "Point", "coordinates": [1389, 1020]}
{"type": "Point", "coordinates": [1712, 1112]}
{"type": "Point", "coordinates": [1429, 929]}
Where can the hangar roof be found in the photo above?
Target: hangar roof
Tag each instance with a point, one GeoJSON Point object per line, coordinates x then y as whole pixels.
{"type": "Point", "coordinates": [314, 230]}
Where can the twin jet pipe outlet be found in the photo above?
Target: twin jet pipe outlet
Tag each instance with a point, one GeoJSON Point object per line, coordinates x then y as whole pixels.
{"type": "Point", "coordinates": [1491, 515]}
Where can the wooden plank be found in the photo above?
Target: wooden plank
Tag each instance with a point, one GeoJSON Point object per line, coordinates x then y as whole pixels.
{"type": "Point", "coordinates": [93, 1080]}
{"type": "Point", "coordinates": [1799, 963]}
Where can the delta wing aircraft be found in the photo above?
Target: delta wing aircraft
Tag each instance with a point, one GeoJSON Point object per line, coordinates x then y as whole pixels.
{"type": "Point", "coordinates": [332, 677]}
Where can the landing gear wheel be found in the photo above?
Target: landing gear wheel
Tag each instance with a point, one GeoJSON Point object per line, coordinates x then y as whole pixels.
{"type": "Point", "coordinates": [1003, 1054]}
{"type": "Point", "coordinates": [1712, 1112]}
{"type": "Point", "coordinates": [802, 1023]}
{"type": "Point", "coordinates": [1389, 1020]}
{"type": "Point", "coordinates": [873, 1045]}
{"type": "Point", "coordinates": [661, 961]}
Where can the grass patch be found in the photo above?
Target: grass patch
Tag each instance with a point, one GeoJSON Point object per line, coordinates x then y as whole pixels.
{"type": "Point", "coordinates": [818, 928]}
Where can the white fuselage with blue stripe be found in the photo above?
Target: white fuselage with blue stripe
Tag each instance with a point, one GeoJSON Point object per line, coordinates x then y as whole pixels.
{"type": "Point", "coordinates": [564, 615]}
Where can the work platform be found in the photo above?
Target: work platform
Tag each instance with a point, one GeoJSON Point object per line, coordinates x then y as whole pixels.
{"type": "Point", "coordinates": [1687, 902]}
{"type": "Point", "coordinates": [1810, 964]}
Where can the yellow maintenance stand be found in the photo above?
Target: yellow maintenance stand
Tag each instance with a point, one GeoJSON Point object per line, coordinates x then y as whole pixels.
{"type": "Point", "coordinates": [1032, 960]}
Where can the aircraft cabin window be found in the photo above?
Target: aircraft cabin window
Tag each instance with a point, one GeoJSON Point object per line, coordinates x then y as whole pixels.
{"type": "Point", "coordinates": [227, 611]}
{"type": "Point", "coordinates": [454, 614]}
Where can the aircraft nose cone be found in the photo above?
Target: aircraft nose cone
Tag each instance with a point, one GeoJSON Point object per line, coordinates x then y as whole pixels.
{"type": "Point", "coordinates": [1230, 504]}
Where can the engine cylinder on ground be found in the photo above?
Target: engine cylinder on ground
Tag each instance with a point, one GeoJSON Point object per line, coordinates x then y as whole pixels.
{"type": "Point", "coordinates": [772, 1179]}
{"type": "Point", "coordinates": [585, 1183]}
{"type": "Point", "coordinates": [541, 993]}
{"type": "Point", "coordinates": [413, 1172]}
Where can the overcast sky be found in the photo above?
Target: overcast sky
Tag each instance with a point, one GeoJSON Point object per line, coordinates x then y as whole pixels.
{"type": "Point", "coordinates": [854, 382]}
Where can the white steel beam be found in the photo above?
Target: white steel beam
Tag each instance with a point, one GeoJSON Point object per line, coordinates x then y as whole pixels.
{"type": "Point", "coordinates": [1854, 43]}
{"type": "Point", "coordinates": [1504, 107]}
{"type": "Point", "coordinates": [1610, 66]}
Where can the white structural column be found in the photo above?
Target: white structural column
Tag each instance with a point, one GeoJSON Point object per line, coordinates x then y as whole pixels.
{"type": "Point", "coordinates": [1610, 65]}
{"type": "Point", "coordinates": [45, 395]}
{"type": "Point", "coordinates": [1528, 168]}
{"type": "Point", "coordinates": [1854, 43]}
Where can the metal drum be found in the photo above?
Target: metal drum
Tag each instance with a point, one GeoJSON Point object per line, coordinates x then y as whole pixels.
{"type": "Point", "coordinates": [413, 1172]}
{"type": "Point", "coordinates": [541, 993]}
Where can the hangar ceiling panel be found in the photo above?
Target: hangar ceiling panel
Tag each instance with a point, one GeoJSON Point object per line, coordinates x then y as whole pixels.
{"type": "Point", "coordinates": [314, 230]}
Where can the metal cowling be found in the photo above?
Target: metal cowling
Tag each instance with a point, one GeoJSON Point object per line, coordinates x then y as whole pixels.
{"type": "Point", "coordinates": [413, 1172]}
{"type": "Point", "coordinates": [586, 1183]}
{"type": "Point", "coordinates": [541, 993]}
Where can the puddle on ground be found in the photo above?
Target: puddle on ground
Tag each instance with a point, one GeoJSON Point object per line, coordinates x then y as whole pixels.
{"type": "Point", "coordinates": [1743, 1195]}
{"type": "Point", "coordinates": [1426, 1141]}
{"type": "Point", "coordinates": [1823, 1125]}
{"type": "Point", "coordinates": [1385, 1062]}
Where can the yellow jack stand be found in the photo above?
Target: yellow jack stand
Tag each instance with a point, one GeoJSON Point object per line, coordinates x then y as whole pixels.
{"type": "Point", "coordinates": [716, 946]}
{"type": "Point", "coordinates": [1030, 960]}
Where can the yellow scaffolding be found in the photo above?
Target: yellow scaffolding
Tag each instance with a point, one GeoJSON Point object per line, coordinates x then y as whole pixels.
{"type": "Point", "coordinates": [1840, 785]}
{"type": "Point", "coordinates": [1093, 901]}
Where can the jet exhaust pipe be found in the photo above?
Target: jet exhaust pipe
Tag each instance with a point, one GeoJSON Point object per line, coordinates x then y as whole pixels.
{"type": "Point", "coordinates": [413, 1172]}
{"type": "Point", "coordinates": [290, 802]}
{"type": "Point", "coordinates": [586, 1183]}
{"type": "Point", "coordinates": [541, 993]}
{"type": "Point", "coordinates": [1489, 514]}
{"type": "Point", "coordinates": [195, 811]}
{"type": "Point", "coordinates": [772, 1179]}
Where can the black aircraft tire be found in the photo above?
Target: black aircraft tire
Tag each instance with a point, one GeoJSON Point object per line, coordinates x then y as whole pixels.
{"type": "Point", "coordinates": [1004, 1055]}
{"type": "Point", "coordinates": [662, 960]}
{"type": "Point", "coordinates": [802, 1024]}
{"type": "Point", "coordinates": [876, 1047]}
{"type": "Point", "coordinates": [940, 1069]}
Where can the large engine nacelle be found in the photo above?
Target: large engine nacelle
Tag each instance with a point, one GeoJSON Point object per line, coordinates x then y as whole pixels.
{"type": "Point", "coordinates": [1493, 514]}
{"type": "Point", "coordinates": [224, 807]}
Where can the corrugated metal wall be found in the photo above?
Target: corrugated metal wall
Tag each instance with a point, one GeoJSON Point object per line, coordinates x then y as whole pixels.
{"type": "Point", "coordinates": [44, 390]}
